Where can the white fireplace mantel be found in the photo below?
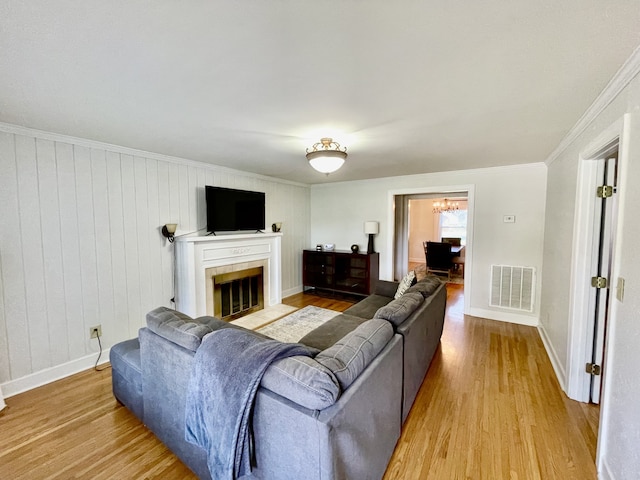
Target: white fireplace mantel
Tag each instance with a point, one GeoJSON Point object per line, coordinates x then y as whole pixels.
{"type": "Point", "coordinates": [194, 254]}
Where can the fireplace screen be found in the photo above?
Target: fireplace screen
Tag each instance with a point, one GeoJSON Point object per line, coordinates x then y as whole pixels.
{"type": "Point", "coordinates": [237, 293]}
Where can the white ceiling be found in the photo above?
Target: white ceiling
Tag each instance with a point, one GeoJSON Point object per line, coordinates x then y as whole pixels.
{"type": "Point", "coordinates": [407, 86]}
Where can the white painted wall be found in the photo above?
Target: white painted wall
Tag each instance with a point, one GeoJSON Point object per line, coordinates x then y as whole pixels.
{"type": "Point", "coordinates": [80, 244]}
{"type": "Point", "coordinates": [619, 452]}
{"type": "Point", "coordinates": [338, 211]}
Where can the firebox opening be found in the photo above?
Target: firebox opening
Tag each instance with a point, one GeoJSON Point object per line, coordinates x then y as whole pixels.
{"type": "Point", "coordinates": [238, 293]}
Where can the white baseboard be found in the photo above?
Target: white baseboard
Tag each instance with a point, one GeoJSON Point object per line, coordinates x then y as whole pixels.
{"type": "Point", "coordinates": [553, 357]}
{"type": "Point", "coordinates": [291, 291]}
{"type": "Point", "coordinates": [48, 375]}
{"type": "Point", "coordinates": [505, 316]}
{"type": "Point", "coordinates": [605, 473]}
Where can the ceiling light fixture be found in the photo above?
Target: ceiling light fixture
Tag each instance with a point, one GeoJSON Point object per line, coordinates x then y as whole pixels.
{"type": "Point", "coordinates": [326, 156]}
{"type": "Point", "coordinates": [445, 206]}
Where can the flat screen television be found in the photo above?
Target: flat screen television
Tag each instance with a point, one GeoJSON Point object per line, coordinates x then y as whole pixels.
{"type": "Point", "coordinates": [230, 210]}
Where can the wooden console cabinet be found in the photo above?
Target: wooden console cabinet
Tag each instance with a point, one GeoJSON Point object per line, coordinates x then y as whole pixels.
{"type": "Point", "coordinates": [340, 271]}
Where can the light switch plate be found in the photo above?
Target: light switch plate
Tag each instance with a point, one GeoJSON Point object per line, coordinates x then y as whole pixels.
{"type": "Point", "coordinates": [509, 219]}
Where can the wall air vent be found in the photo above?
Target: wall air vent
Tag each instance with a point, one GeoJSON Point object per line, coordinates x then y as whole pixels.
{"type": "Point", "coordinates": [512, 287]}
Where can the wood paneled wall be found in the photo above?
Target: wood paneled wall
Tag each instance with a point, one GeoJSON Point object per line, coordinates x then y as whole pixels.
{"type": "Point", "coordinates": [80, 241]}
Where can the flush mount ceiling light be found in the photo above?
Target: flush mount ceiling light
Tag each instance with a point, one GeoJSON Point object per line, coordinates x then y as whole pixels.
{"type": "Point", "coordinates": [326, 156]}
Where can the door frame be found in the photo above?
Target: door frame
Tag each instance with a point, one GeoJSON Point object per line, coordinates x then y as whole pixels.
{"type": "Point", "coordinates": [387, 268]}
{"type": "Point", "coordinates": [578, 346]}
{"type": "Point", "coordinates": [584, 248]}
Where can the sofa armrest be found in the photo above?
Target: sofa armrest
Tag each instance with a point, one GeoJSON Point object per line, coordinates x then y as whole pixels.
{"type": "Point", "coordinates": [386, 288]}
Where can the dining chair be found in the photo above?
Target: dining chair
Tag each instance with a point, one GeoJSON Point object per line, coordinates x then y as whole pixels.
{"type": "Point", "coordinates": [439, 259]}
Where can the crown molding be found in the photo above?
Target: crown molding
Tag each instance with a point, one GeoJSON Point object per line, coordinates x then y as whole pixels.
{"type": "Point", "coordinates": [83, 142]}
{"type": "Point", "coordinates": [620, 80]}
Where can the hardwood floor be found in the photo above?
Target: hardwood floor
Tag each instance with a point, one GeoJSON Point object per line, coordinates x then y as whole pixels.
{"type": "Point", "coordinates": [490, 408]}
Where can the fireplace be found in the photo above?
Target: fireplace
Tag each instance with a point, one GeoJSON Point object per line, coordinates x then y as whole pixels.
{"type": "Point", "coordinates": [237, 293]}
{"type": "Point", "coordinates": [201, 259]}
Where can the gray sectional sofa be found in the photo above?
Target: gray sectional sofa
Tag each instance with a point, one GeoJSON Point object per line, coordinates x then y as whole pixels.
{"type": "Point", "coordinates": [336, 414]}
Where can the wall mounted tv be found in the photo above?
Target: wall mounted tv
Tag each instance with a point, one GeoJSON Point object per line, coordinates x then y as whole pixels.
{"type": "Point", "coordinates": [230, 210]}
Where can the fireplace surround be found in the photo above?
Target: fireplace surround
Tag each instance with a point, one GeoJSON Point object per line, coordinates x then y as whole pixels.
{"type": "Point", "coordinates": [199, 259]}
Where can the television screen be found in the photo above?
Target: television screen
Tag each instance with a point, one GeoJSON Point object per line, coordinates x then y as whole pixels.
{"type": "Point", "coordinates": [231, 210]}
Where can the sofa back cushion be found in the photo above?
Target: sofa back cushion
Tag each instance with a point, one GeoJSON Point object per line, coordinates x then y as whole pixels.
{"type": "Point", "coordinates": [426, 286]}
{"type": "Point", "coordinates": [181, 329]}
{"type": "Point", "coordinates": [398, 310]}
{"type": "Point", "coordinates": [302, 380]}
{"type": "Point", "coordinates": [348, 357]}
{"type": "Point", "coordinates": [367, 307]}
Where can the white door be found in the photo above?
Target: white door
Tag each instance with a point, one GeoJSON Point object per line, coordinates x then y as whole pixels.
{"type": "Point", "coordinates": [604, 230]}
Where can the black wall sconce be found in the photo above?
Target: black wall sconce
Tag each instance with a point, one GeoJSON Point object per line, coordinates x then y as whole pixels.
{"type": "Point", "coordinates": [169, 231]}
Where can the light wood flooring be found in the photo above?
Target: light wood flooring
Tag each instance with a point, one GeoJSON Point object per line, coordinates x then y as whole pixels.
{"type": "Point", "coordinates": [490, 408]}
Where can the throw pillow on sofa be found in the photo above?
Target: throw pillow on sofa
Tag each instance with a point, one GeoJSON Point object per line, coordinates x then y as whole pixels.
{"type": "Point", "coordinates": [407, 281]}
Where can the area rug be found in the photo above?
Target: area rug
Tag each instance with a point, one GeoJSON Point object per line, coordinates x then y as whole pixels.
{"type": "Point", "coordinates": [421, 272]}
{"type": "Point", "coordinates": [293, 327]}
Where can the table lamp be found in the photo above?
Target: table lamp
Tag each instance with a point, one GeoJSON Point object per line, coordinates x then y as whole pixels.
{"type": "Point", "coordinates": [371, 229]}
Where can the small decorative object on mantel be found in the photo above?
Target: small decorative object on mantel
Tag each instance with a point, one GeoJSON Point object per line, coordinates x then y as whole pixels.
{"type": "Point", "coordinates": [318, 248]}
{"type": "Point", "coordinates": [276, 227]}
{"type": "Point", "coordinates": [329, 247]}
{"type": "Point", "coordinates": [355, 248]}
{"type": "Point", "coordinates": [169, 231]}
{"type": "Point", "coordinates": [371, 229]}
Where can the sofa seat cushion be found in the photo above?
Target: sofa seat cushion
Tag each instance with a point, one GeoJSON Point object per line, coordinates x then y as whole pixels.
{"type": "Point", "coordinates": [398, 310]}
{"type": "Point", "coordinates": [331, 331]}
{"type": "Point", "coordinates": [426, 286]}
{"type": "Point", "coordinates": [181, 329]}
{"type": "Point", "coordinates": [302, 380]}
{"type": "Point", "coordinates": [126, 373]}
{"type": "Point", "coordinates": [367, 307]}
{"type": "Point", "coordinates": [125, 357]}
{"type": "Point", "coordinates": [348, 357]}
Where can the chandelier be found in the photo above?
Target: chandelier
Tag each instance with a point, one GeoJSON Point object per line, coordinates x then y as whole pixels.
{"type": "Point", "coordinates": [444, 206]}
{"type": "Point", "coordinates": [326, 156]}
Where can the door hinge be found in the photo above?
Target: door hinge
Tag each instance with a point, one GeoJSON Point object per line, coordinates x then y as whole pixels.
{"type": "Point", "coordinates": [592, 369]}
{"type": "Point", "coordinates": [599, 282]}
{"type": "Point", "coordinates": [605, 191]}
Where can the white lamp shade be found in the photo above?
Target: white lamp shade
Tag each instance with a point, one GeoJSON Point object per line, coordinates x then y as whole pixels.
{"type": "Point", "coordinates": [171, 227]}
{"type": "Point", "coordinates": [371, 227]}
{"type": "Point", "coordinates": [326, 163]}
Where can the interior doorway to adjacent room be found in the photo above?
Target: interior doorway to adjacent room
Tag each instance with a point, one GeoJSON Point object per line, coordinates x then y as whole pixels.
{"type": "Point", "coordinates": [430, 217]}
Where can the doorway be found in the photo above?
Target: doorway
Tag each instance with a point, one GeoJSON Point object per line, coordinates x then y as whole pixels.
{"type": "Point", "coordinates": [618, 141]}
{"type": "Point", "coordinates": [437, 219]}
{"type": "Point", "coordinates": [397, 231]}
{"type": "Point", "coordinates": [593, 262]}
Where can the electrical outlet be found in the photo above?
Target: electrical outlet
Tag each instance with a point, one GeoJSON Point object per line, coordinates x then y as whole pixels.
{"type": "Point", "coordinates": [95, 332]}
